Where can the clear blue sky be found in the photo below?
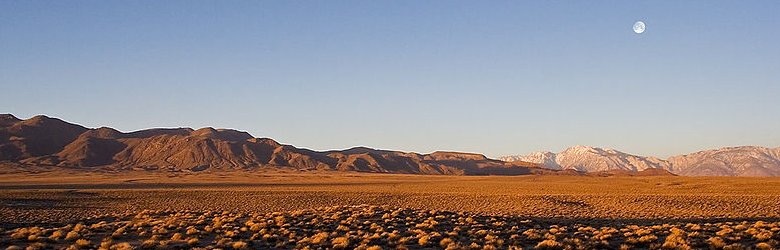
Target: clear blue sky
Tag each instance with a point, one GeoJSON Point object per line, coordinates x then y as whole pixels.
{"type": "Point", "coordinates": [496, 77]}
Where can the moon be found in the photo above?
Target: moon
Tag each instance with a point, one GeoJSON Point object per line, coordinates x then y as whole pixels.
{"type": "Point", "coordinates": [639, 27]}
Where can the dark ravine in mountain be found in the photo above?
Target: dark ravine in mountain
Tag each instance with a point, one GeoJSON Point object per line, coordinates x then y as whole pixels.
{"type": "Point", "coordinates": [51, 142]}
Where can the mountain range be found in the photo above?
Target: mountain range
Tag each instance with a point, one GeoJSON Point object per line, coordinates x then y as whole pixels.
{"type": "Point", "coordinates": [729, 161]}
{"type": "Point", "coordinates": [43, 141]}
{"type": "Point", "coordinates": [51, 142]}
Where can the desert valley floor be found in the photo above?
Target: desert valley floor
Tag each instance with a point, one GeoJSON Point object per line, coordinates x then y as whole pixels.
{"type": "Point", "coordinates": [294, 209]}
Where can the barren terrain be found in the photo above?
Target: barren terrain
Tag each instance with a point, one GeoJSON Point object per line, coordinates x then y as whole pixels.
{"type": "Point", "coordinates": [326, 209]}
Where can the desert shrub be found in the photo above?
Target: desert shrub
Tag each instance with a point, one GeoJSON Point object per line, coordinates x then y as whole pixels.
{"type": "Point", "coordinates": [646, 239]}
{"type": "Point", "coordinates": [20, 233]}
{"type": "Point", "coordinates": [532, 234]}
{"type": "Point", "coordinates": [716, 242]}
{"type": "Point", "coordinates": [675, 241]}
{"type": "Point", "coordinates": [149, 243]}
{"type": "Point", "coordinates": [724, 232]}
{"type": "Point", "coordinates": [176, 236]}
{"type": "Point", "coordinates": [319, 238]}
{"type": "Point", "coordinates": [72, 235]}
{"type": "Point", "coordinates": [82, 242]}
{"type": "Point", "coordinates": [56, 235]}
{"type": "Point", "coordinates": [255, 227]}
{"type": "Point", "coordinates": [38, 246]}
{"type": "Point", "coordinates": [122, 246]}
{"type": "Point", "coordinates": [445, 242]}
{"type": "Point", "coordinates": [239, 245]}
{"type": "Point", "coordinates": [423, 240]}
{"type": "Point", "coordinates": [340, 242]}
{"type": "Point", "coordinates": [106, 243]}
{"type": "Point", "coordinates": [735, 246]}
{"type": "Point", "coordinates": [549, 244]}
{"type": "Point", "coordinates": [763, 235]}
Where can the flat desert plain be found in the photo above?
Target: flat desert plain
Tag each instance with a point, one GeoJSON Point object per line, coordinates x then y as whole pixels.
{"type": "Point", "coordinates": [312, 210]}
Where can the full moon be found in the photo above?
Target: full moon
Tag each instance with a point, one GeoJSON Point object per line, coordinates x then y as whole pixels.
{"type": "Point", "coordinates": [639, 27]}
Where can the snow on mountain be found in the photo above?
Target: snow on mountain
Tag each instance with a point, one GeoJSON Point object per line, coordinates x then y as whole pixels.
{"type": "Point", "coordinates": [546, 159]}
{"type": "Point", "coordinates": [593, 159]}
{"type": "Point", "coordinates": [731, 161]}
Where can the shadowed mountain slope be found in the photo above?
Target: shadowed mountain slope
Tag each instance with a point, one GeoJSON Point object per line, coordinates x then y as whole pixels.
{"type": "Point", "coordinates": [45, 141]}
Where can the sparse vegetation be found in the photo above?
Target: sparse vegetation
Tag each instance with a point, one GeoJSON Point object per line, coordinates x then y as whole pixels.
{"type": "Point", "coordinates": [438, 212]}
{"type": "Point", "coordinates": [367, 231]}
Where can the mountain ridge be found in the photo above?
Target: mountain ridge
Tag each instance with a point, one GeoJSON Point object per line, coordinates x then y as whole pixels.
{"type": "Point", "coordinates": [725, 161]}
{"type": "Point", "coordinates": [47, 141]}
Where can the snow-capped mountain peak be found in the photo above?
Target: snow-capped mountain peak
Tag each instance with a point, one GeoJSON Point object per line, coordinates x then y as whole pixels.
{"type": "Point", "coordinates": [739, 161]}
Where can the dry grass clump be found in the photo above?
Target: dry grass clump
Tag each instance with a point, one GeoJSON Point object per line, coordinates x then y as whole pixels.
{"type": "Point", "coordinates": [676, 240]}
{"type": "Point", "coordinates": [340, 242]}
{"type": "Point", "coordinates": [716, 242]}
{"type": "Point", "coordinates": [549, 244]}
{"type": "Point", "coordinates": [240, 245]}
{"type": "Point", "coordinates": [72, 235]}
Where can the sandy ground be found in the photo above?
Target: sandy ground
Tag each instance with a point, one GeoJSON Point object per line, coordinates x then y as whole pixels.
{"type": "Point", "coordinates": [289, 209]}
{"type": "Point", "coordinates": [62, 197]}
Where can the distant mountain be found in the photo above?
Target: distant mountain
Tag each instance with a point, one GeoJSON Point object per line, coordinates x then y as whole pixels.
{"type": "Point", "coordinates": [45, 141]}
{"type": "Point", "coordinates": [737, 161]}
{"type": "Point", "coordinates": [731, 161]}
{"type": "Point", "coordinates": [545, 159]}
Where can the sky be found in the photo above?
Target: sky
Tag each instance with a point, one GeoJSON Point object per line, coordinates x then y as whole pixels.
{"type": "Point", "coordinates": [493, 77]}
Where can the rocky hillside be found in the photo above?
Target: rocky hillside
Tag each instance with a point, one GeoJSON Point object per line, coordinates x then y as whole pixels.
{"type": "Point", "coordinates": [731, 161]}
{"type": "Point", "coordinates": [738, 161]}
{"type": "Point", "coordinates": [45, 141]}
